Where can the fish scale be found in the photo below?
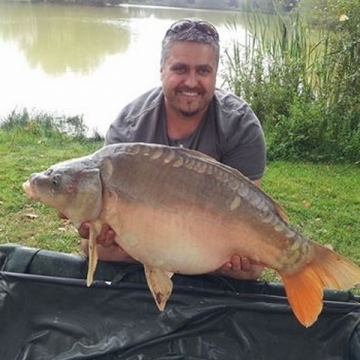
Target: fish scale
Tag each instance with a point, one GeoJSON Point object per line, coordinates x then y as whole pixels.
{"type": "Point", "coordinates": [180, 158]}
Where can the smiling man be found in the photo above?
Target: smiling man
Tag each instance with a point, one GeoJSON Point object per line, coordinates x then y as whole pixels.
{"type": "Point", "coordinates": [188, 76]}
{"type": "Point", "coordinates": [188, 111]}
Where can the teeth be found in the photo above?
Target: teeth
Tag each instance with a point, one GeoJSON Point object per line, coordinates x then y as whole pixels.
{"type": "Point", "coordinates": [190, 93]}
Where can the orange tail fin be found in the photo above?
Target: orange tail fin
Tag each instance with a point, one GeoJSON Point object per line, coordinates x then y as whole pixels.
{"type": "Point", "coordinates": [304, 290]}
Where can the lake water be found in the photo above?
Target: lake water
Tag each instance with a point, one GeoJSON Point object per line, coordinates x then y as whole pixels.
{"type": "Point", "coordinates": [90, 61]}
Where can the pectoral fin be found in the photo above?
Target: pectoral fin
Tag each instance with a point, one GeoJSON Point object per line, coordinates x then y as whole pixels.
{"type": "Point", "coordinates": [94, 231]}
{"type": "Point", "coordinates": [160, 284]}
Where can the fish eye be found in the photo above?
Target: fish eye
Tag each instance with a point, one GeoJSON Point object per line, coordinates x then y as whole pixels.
{"type": "Point", "coordinates": [55, 181]}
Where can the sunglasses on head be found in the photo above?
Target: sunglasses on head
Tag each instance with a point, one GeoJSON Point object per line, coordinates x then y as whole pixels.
{"type": "Point", "coordinates": [203, 26]}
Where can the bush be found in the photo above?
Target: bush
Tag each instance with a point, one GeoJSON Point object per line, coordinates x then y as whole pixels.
{"type": "Point", "coordinates": [298, 136]}
{"type": "Point", "coordinates": [301, 87]}
{"type": "Point", "coordinates": [43, 125]}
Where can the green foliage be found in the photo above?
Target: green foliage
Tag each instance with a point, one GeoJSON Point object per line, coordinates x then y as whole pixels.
{"type": "Point", "coordinates": [321, 200]}
{"type": "Point", "coordinates": [298, 135]}
{"type": "Point", "coordinates": [43, 124]}
{"type": "Point", "coordinates": [324, 13]}
{"type": "Point", "coordinates": [301, 83]}
{"type": "Point", "coordinates": [34, 147]}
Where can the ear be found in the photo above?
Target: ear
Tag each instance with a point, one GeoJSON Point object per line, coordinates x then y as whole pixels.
{"type": "Point", "coordinates": [86, 204]}
{"type": "Point", "coordinates": [161, 73]}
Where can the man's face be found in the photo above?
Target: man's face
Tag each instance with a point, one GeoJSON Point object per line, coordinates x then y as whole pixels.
{"type": "Point", "coordinates": [188, 77]}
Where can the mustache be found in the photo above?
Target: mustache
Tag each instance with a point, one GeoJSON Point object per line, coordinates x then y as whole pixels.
{"type": "Point", "coordinates": [187, 89]}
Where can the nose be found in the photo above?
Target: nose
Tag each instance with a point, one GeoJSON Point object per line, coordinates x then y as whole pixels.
{"type": "Point", "coordinates": [191, 80]}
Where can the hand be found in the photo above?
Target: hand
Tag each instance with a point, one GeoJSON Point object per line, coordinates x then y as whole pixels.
{"type": "Point", "coordinates": [107, 247]}
{"type": "Point", "coordinates": [106, 238]}
{"type": "Point", "coordinates": [240, 268]}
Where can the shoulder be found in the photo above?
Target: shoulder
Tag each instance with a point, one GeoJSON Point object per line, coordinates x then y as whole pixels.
{"type": "Point", "coordinates": [230, 106]}
{"type": "Point", "coordinates": [240, 134]}
{"type": "Point", "coordinates": [134, 120]}
{"type": "Point", "coordinates": [145, 103]}
{"type": "Point", "coordinates": [234, 116]}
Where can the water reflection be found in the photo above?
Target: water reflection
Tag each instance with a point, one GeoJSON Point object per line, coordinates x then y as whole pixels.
{"type": "Point", "coordinates": [62, 38]}
{"type": "Point", "coordinates": [90, 61]}
{"type": "Point", "coordinates": [58, 38]}
{"type": "Point", "coordinates": [218, 18]}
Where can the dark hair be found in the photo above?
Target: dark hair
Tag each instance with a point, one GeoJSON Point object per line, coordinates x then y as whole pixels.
{"type": "Point", "coordinates": [194, 30]}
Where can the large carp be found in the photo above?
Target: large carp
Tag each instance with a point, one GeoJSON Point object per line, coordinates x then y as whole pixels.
{"type": "Point", "coordinates": [178, 211]}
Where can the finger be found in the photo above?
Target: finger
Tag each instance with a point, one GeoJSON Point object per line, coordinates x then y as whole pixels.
{"type": "Point", "coordinates": [236, 263]}
{"type": "Point", "coordinates": [245, 264]}
{"type": "Point", "coordinates": [84, 230]}
{"type": "Point", "coordinates": [226, 267]}
{"type": "Point", "coordinates": [102, 237]}
{"type": "Point", "coordinates": [109, 238]}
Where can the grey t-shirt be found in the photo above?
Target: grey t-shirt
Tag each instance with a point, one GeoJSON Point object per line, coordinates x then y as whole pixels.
{"type": "Point", "coordinates": [230, 132]}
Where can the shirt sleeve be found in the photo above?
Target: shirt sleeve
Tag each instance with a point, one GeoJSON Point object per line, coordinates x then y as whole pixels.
{"type": "Point", "coordinates": [245, 147]}
{"type": "Point", "coordinates": [117, 131]}
{"type": "Point", "coordinates": [138, 121]}
{"type": "Point", "coordinates": [249, 159]}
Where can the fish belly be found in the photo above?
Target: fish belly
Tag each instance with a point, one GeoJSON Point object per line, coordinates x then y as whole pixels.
{"type": "Point", "coordinates": [187, 243]}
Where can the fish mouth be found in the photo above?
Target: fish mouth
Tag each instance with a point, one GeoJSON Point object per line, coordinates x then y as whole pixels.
{"type": "Point", "coordinates": [29, 190]}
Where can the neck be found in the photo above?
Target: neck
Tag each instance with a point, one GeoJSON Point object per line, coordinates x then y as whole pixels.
{"type": "Point", "coordinates": [180, 127]}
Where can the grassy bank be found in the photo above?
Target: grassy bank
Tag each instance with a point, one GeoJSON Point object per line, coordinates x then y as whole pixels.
{"type": "Point", "coordinates": [27, 147]}
{"type": "Point", "coordinates": [322, 201]}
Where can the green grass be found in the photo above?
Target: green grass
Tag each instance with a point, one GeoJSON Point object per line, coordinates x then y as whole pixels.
{"type": "Point", "coordinates": [322, 201]}
{"type": "Point", "coordinates": [24, 222]}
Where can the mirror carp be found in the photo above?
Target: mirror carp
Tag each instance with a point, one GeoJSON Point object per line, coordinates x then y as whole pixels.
{"type": "Point", "coordinates": [178, 211]}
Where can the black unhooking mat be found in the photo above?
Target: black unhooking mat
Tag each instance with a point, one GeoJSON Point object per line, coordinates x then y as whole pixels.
{"type": "Point", "coordinates": [48, 313]}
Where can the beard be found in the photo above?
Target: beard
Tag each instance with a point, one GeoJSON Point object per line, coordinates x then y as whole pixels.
{"type": "Point", "coordinates": [191, 107]}
{"type": "Point", "coordinates": [189, 114]}
{"type": "Point", "coordinates": [187, 107]}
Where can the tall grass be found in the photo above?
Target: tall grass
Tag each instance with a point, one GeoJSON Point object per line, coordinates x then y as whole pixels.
{"type": "Point", "coordinates": [40, 124]}
{"type": "Point", "coordinates": [301, 81]}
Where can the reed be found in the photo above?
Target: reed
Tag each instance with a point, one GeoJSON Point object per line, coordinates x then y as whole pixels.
{"type": "Point", "coordinates": [300, 80]}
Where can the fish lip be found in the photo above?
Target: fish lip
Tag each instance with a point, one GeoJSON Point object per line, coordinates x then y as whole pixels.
{"type": "Point", "coordinates": [29, 189]}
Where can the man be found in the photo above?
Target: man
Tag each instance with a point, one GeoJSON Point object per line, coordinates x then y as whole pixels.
{"type": "Point", "coordinates": [188, 111]}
